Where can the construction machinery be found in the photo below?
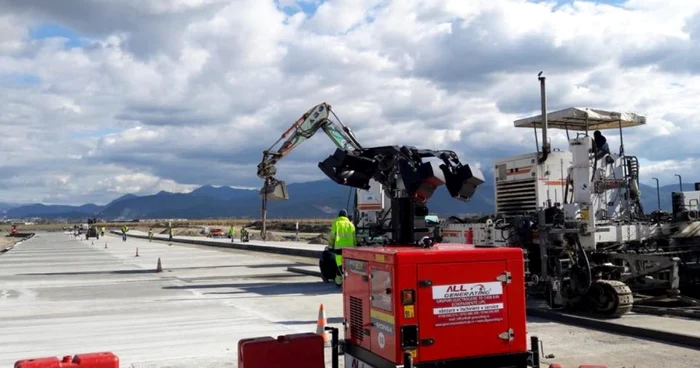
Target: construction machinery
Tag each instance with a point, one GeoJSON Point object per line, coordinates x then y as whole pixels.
{"type": "Point", "coordinates": [91, 231]}
{"type": "Point", "coordinates": [411, 302]}
{"type": "Point", "coordinates": [318, 117]}
{"type": "Point", "coordinates": [578, 216]}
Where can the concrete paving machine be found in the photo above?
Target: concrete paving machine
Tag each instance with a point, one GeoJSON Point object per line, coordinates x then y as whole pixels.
{"type": "Point", "coordinates": [578, 214]}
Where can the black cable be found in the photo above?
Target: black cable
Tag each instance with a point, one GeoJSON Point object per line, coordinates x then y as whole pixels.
{"type": "Point", "coordinates": [347, 203]}
{"type": "Point", "coordinates": [587, 264]}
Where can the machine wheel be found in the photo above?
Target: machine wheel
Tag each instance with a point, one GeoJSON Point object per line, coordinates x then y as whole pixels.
{"type": "Point", "coordinates": [610, 298]}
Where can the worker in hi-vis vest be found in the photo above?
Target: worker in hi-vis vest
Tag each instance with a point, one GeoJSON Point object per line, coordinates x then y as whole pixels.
{"type": "Point", "coordinates": [125, 229]}
{"type": "Point", "coordinates": [232, 233]}
{"type": "Point", "coordinates": [342, 236]}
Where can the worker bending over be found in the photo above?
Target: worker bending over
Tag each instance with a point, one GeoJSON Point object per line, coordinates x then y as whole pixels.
{"type": "Point", "coordinates": [342, 236]}
{"type": "Point", "coordinates": [601, 144]}
{"type": "Point", "coordinates": [125, 229]}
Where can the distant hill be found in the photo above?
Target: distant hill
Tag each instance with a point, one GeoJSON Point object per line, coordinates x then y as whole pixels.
{"type": "Point", "coordinates": [317, 199]}
{"type": "Point", "coordinates": [4, 207]}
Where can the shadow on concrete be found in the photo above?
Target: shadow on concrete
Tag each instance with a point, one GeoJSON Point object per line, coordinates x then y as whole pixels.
{"type": "Point", "coordinates": [266, 288]}
{"type": "Point", "coordinates": [329, 320]}
{"type": "Point", "coordinates": [140, 271]}
{"type": "Point", "coordinates": [285, 275]}
{"type": "Point", "coordinates": [78, 273]}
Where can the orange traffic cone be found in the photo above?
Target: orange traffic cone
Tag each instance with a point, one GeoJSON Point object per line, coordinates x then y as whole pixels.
{"type": "Point", "coordinates": [93, 243]}
{"type": "Point", "coordinates": [159, 268]}
{"type": "Point", "coordinates": [321, 326]}
{"type": "Point", "coordinates": [137, 252]}
{"type": "Point", "coordinates": [105, 245]}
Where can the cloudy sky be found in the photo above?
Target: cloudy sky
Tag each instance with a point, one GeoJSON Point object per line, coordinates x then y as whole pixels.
{"type": "Point", "coordinates": [100, 98]}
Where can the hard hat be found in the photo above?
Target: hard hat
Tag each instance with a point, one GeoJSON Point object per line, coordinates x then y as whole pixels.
{"type": "Point", "coordinates": [343, 213]}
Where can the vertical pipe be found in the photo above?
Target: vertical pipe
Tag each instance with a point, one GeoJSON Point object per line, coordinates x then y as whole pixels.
{"type": "Point", "coordinates": [658, 194]}
{"type": "Point", "coordinates": [263, 234]}
{"type": "Point", "coordinates": [622, 142]}
{"type": "Point", "coordinates": [334, 346]}
{"type": "Point", "coordinates": [680, 182]}
{"type": "Point", "coordinates": [543, 97]}
{"type": "Point", "coordinates": [535, 346]}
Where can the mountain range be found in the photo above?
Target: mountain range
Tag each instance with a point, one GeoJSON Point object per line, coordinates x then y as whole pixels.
{"type": "Point", "coordinates": [316, 199]}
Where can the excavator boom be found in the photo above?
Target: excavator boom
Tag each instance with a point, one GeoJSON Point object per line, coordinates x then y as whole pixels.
{"type": "Point", "coordinates": [401, 169]}
{"type": "Point", "coordinates": [318, 117]}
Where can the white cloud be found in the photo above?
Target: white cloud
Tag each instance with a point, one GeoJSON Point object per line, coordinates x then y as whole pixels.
{"type": "Point", "coordinates": [169, 95]}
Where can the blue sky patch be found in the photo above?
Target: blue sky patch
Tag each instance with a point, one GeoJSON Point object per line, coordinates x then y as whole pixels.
{"type": "Point", "coordinates": [565, 2]}
{"type": "Point", "coordinates": [19, 79]}
{"type": "Point", "coordinates": [51, 30]}
{"type": "Point", "coordinates": [93, 133]}
{"type": "Point", "coordinates": [306, 6]}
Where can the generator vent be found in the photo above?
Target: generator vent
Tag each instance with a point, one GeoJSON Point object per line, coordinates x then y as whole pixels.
{"type": "Point", "coordinates": [356, 320]}
{"type": "Point", "coordinates": [516, 197]}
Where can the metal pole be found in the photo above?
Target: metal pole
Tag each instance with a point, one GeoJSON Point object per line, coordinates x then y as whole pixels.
{"type": "Point", "coordinates": [680, 182]}
{"type": "Point", "coordinates": [543, 97]}
{"type": "Point", "coordinates": [658, 194]}
{"type": "Point", "coordinates": [264, 208]}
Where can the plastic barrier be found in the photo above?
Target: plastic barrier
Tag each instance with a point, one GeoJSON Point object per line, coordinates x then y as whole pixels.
{"type": "Point", "coordinates": [91, 360]}
{"type": "Point", "coordinates": [304, 350]}
{"type": "Point", "coordinates": [580, 366]}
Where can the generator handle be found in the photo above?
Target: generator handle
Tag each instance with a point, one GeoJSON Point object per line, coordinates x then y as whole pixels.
{"type": "Point", "coordinates": [334, 346]}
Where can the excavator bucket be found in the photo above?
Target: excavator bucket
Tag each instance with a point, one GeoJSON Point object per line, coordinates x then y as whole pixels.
{"type": "Point", "coordinates": [275, 192]}
{"type": "Point", "coordinates": [347, 169]}
{"type": "Point", "coordinates": [463, 183]}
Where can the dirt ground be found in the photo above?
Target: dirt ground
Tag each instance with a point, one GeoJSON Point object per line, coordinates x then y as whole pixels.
{"type": "Point", "coordinates": [7, 241]}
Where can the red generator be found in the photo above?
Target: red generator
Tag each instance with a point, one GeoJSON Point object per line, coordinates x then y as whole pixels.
{"type": "Point", "coordinates": [444, 305]}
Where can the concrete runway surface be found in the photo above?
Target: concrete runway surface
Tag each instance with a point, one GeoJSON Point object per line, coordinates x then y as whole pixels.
{"type": "Point", "coordinates": [62, 296]}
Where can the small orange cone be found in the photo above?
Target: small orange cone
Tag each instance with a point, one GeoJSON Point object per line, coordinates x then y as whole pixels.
{"type": "Point", "coordinates": [93, 243]}
{"type": "Point", "coordinates": [105, 245]}
{"type": "Point", "coordinates": [137, 252]}
{"type": "Point", "coordinates": [321, 326]}
{"type": "Point", "coordinates": [159, 268]}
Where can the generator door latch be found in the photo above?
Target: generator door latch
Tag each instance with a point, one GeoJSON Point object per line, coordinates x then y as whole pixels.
{"type": "Point", "coordinates": [427, 342]}
{"type": "Point", "coordinates": [508, 335]}
{"type": "Point", "coordinates": [505, 277]}
{"type": "Point", "coordinates": [365, 278]}
{"type": "Point", "coordinates": [425, 283]}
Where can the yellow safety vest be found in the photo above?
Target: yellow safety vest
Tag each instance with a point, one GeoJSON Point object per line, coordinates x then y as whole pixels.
{"type": "Point", "coordinates": [342, 233]}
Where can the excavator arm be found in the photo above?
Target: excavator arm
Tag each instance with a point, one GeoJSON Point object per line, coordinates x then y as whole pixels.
{"type": "Point", "coordinates": [315, 119]}
{"type": "Point", "coordinates": [401, 169]}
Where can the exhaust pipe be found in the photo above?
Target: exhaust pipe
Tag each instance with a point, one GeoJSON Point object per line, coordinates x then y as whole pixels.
{"type": "Point", "coordinates": [680, 182]}
{"type": "Point", "coordinates": [545, 125]}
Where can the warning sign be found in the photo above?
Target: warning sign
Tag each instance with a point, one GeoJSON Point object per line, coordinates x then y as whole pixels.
{"type": "Point", "coordinates": [460, 304]}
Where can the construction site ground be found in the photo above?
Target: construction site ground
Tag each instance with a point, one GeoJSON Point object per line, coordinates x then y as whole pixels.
{"type": "Point", "coordinates": [63, 296]}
